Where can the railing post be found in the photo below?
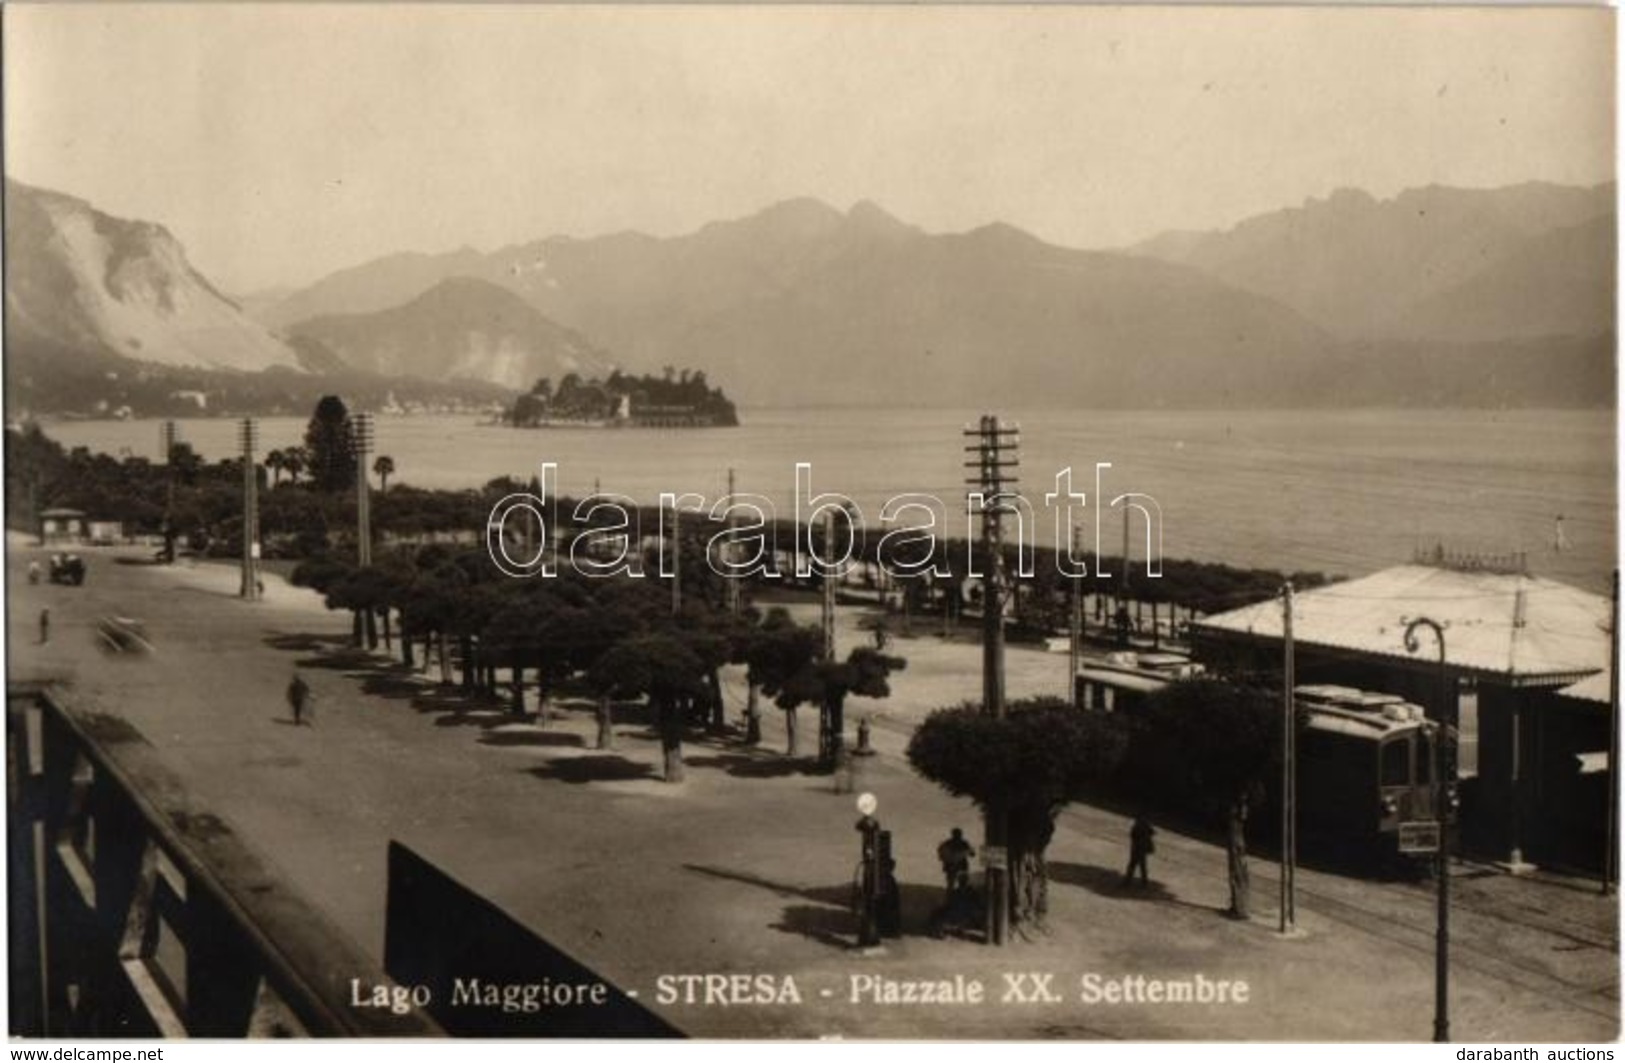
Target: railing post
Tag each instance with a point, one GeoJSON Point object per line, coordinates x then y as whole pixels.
{"type": "Point", "coordinates": [26, 954]}
{"type": "Point", "coordinates": [222, 981]}
{"type": "Point", "coordinates": [121, 843]}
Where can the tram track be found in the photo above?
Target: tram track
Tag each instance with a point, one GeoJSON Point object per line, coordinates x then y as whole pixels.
{"type": "Point", "coordinates": [1413, 934]}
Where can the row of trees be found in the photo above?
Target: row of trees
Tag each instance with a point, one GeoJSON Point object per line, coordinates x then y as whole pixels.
{"type": "Point", "coordinates": [1201, 747]}
{"type": "Point", "coordinates": [312, 509]}
{"type": "Point", "coordinates": [293, 461]}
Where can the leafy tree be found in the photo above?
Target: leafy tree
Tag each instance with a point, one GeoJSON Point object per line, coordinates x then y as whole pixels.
{"type": "Point", "coordinates": [366, 592]}
{"type": "Point", "coordinates": [295, 460]}
{"type": "Point", "coordinates": [1028, 766]}
{"type": "Point", "coordinates": [509, 638]}
{"type": "Point", "coordinates": [1210, 745]}
{"type": "Point", "coordinates": [185, 463]}
{"type": "Point", "coordinates": [828, 684]}
{"type": "Point", "coordinates": [331, 440]}
{"type": "Point", "coordinates": [664, 669]}
{"type": "Point", "coordinates": [430, 608]}
{"type": "Point", "coordinates": [776, 659]}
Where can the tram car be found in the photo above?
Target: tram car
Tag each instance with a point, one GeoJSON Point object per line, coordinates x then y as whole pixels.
{"type": "Point", "coordinates": [1122, 681]}
{"type": "Point", "coordinates": [1365, 765]}
{"type": "Point", "coordinates": [1365, 759]}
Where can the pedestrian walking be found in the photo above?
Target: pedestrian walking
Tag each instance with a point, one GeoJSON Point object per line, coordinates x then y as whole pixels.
{"type": "Point", "coordinates": [44, 626]}
{"type": "Point", "coordinates": [955, 853]}
{"type": "Point", "coordinates": [1140, 846]}
{"type": "Point", "coordinates": [298, 698]}
{"type": "Point", "coordinates": [33, 571]}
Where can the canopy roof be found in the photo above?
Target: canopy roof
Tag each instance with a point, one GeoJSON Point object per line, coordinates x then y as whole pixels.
{"type": "Point", "coordinates": [1592, 688]}
{"type": "Point", "coordinates": [1519, 627]}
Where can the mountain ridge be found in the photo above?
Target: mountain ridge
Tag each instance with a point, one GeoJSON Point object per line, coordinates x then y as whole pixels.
{"type": "Point", "coordinates": [461, 328]}
{"type": "Point", "coordinates": [1355, 263]}
{"type": "Point", "coordinates": [79, 277]}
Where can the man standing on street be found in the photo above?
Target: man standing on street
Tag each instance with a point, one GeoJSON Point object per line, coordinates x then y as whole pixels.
{"type": "Point", "coordinates": [1140, 847]}
{"type": "Point", "coordinates": [298, 698]}
{"type": "Point", "coordinates": [955, 853]}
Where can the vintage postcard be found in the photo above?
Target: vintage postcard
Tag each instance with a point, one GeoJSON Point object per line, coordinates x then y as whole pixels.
{"type": "Point", "coordinates": [790, 522]}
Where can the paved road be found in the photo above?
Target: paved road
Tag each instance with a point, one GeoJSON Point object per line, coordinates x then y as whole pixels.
{"type": "Point", "coordinates": [746, 867]}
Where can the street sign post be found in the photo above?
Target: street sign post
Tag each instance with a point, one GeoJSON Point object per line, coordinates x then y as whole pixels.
{"type": "Point", "coordinates": [1421, 836]}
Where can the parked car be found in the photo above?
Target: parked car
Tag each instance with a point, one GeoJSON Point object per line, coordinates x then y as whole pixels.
{"type": "Point", "coordinates": [68, 569]}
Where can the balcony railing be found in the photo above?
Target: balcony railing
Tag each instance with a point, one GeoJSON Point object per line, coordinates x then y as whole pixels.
{"type": "Point", "coordinates": [137, 912]}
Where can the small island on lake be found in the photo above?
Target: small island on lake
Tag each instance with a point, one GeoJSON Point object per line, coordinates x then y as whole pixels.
{"type": "Point", "coordinates": [678, 399]}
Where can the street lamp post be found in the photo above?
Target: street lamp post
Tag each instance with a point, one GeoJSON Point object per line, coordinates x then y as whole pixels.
{"type": "Point", "coordinates": [869, 877]}
{"type": "Point", "coordinates": [1444, 783]}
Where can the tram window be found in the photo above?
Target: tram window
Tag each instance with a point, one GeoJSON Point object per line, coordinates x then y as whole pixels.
{"type": "Point", "coordinates": [1396, 763]}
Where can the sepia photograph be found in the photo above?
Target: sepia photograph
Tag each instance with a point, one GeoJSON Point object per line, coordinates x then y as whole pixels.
{"type": "Point", "coordinates": [811, 522]}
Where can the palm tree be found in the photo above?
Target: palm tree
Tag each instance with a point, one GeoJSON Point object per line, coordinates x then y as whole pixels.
{"type": "Point", "coordinates": [384, 467]}
{"type": "Point", "coordinates": [296, 460]}
{"type": "Point", "coordinates": [276, 461]}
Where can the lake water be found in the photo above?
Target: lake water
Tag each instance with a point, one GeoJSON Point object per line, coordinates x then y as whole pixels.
{"type": "Point", "coordinates": [1345, 492]}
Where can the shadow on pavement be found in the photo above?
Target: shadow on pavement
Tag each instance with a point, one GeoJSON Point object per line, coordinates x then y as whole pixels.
{"type": "Point", "coordinates": [830, 918]}
{"type": "Point", "coordinates": [301, 642]}
{"type": "Point", "coordinates": [754, 766]}
{"type": "Point", "coordinates": [835, 927]}
{"type": "Point", "coordinates": [603, 768]}
{"type": "Point", "coordinates": [348, 660]}
{"type": "Point", "coordinates": [532, 738]}
{"type": "Point", "coordinates": [1108, 882]}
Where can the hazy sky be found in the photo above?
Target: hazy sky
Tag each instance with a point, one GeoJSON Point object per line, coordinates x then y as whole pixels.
{"type": "Point", "coordinates": [280, 143]}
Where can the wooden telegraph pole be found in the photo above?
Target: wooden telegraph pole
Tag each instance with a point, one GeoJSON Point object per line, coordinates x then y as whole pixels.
{"type": "Point", "coordinates": [363, 499]}
{"type": "Point", "coordinates": [1610, 851]}
{"type": "Point", "coordinates": [167, 438]}
{"type": "Point", "coordinates": [1075, 625]}
{"type": "Point", "coordinates": [995, 451]}
{"type": "Point", "coordinates": [828, 586]}
{"type": "Point", "coordinates": [1289, 771]}
{"type": "Point", "coordinates": [732, 582]}
{"type": "Point", "coordinates": [247, 436]}
{"type": "Point", "coordinates": [676, 560]}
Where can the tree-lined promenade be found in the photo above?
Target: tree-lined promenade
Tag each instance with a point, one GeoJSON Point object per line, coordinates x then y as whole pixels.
{"type": "Point", "coordinates": [665, 639]}
{"type": "Point", "coordinates": [747, 865]}
{"type": "Point", "coordinates": [307, 511]}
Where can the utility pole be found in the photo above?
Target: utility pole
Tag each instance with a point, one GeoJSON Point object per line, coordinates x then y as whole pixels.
{"type": "Point", "coordinates": [1122, 597]}
{"type": "Point", "coordinates": [995, 451]}
{"type": "Point", "coordinates": [676, 560]}
{"type": "Point", "coordinates": [363, 494]}
{"type": "Point", "coordinates": [167, 437]}
{"type": "Point", "coordinates": [247, 436]}
{"type": "Point", "coordinates": [1610, 852]}
{"type": "Point", "coordinates": [829, 586]}
{"type": "Point", "coordinates": [1289, 770]}
{"type": "Point", "coordinates": [1075, 624]}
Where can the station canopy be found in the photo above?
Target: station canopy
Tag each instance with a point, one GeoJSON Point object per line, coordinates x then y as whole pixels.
{"type": "Point", "coordinates": [1520, 628]}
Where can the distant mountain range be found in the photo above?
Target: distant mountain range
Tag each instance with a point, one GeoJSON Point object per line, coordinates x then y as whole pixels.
{"type": "Point", "coordinates": [462, 328]}
{"type": "Point", "coordinates": [1437, 296]}
{"type": "Point", "coordinates": [83, 280]}
{"type": "Point", "coordinates": [1430, 264]}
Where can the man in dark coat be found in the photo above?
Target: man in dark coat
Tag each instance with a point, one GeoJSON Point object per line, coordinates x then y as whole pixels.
{"type": "Point", "coordinates": [298, 697]}
{"type": "Point", "coordinates": [1140, 846]}
{"type": "Point", "coordinates": [955, 853]}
